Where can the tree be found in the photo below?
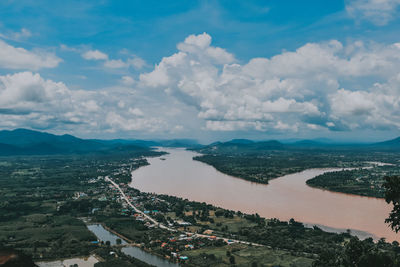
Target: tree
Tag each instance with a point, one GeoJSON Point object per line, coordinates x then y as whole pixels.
{"type": "Point", "coordinates": [392, 195]}
{"type": "Point", "coordinates": [353, 252]}
{"type": "Point", "coordinates": [108, 243]}
{"type": "Point", "coordinates": [232, 259]}
{"type": "Point", "coordinates": [356, 253]}
{"type": "Point", "coordinates": [118, 241]}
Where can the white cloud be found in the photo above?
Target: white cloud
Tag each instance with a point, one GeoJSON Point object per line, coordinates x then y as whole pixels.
{"type": "Point", "coordinates": [200, 44]}
{"type": "Point", "coordinates": [115, 64]}
{"type": "Point", "coordinates": [67, 48]}
{"type": "Point", "coordinates": [19, 58]}
{"type": "Point", "coordinates": [137, 62]}
{"type": "Point", "coordinates": [17, 36]}
{"type": "Point", "coordinates": [136, 112]}
{"type": "Point", "coordinates": [127, 80]}
{"type": "Point", "coordinates": [320, 85]}
{"type": "Point", "coordinates": [379, 12]}
{"type": "Point", "coordinates": [235, 126]}
{"type": "Point", "coordinates": [117, 122]}
{"type": "Point", "coordinates": [23, 34]}
{"type": "Point", "coordinates": [28, 100]}
{"type": "Point", "coordinates": [94, 55]}
{"type": "Point", "coordinates": [134, 62]}
{"type": "Point", "coordinates": [28, 90]}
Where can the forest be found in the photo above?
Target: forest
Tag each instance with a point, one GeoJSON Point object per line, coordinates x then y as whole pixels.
{"type": "Point", "coordinates": [363, 182]}
{"type": "Point", "coordinates": [261, 163]}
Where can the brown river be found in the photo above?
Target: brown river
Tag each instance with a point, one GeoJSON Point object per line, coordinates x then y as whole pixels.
{"type": "Point", "coordinates": [283, 198]}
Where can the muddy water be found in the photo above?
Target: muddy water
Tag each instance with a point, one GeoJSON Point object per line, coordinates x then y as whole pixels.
{"type": "Point", "coordinates": [104, 235]}
{"type": "Point", "coordinates": [283, 198]}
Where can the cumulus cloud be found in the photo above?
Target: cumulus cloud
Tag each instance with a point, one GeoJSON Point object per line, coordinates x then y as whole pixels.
{"type": "Point", "coordinates": [320, 85]}
{"type": "Point", "coordinates": [379, 12]}
{"type": "Point", "coordinates": [115, 64]}
{"type": "Point", "coordinates": [23, 34]}
{"type": "Point", "coordinates": [19, 58]}
{"type": "Point", "coordinates": [135, 61]}
{"type": "Point", "coordinates": [17, 36]}
{"type": "Point", "coordinates": [127, 80]}
{"type": "Point", "coordinates": [94, 55]}
{"type": "Point", "coordinates": [28, 100]}
{"type": "Point", "coordinates": [137, 123]}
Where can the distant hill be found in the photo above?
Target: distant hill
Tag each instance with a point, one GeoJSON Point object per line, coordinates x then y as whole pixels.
{"type": "Point", "coordinates": [389, 144]}
{"type": "Point", "coordinates": [186, 143]}
{"type": "Point", "coordinates": [316, 143]}
{"type": "Point", "coordinates": [28, 142]}
{"type": "Point", "coordinates": [236, 146]}
{"type": "Point", "coordinates": [6, 150]}
{"type": "Point", "coordinates": [241, 146]}
{"type": "Point", "coordinates": [34, 142]}
{"type": "Point", "coordinates": [25, 137]}
{"type": "Point", "coordinates": [137, 142]}
{"type": "Point", "coordinates": [307, 143]}
{"type": "Point", "coordinates": [241, 141]}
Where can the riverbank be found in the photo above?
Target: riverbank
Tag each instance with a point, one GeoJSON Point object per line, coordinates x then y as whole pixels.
{"type": "Point", "coordinates": [263, 161]}
{"type": "Point", "coordinates": [283, 198]}
{"type": "Point", "coordinates": [363, 182]}
{"type": "Point", "coordinates": [285, 243]}
{"type": "Point", "coordinates": [128, 247]}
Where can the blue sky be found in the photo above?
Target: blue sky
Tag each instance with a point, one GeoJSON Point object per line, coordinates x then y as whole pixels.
{"type": "Point", "coordinates": [202, 69]}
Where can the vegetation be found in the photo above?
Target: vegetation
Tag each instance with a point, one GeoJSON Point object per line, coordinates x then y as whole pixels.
{"type": "Point", "coordinates": [42, 198]}
{"type": "Point", "coordinates": [243, 255]}
{"type": "Point", "coordinates": [14, 258]}
{"type": "Point", "coordinates": [285, 243]}
{"type": "Point", "coordinates": [263, 161]}
{"type": "Point", "coordinates": [356, 253]}
{"type": "Point", "coordinates": [364, 182]}
{"type": "Point", "coordinates": [263, 166]}
{"type": "Point", "coordinates": [392, 195]}
{"type": "Point", "coordinates": [115, 258]}
{"type": "Point", "coordinates": [366, 253]}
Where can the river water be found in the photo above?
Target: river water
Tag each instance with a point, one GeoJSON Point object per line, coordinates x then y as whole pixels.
{"type": "Point", "coordinates": [104, 235]}
{"type": "Point", "coordinates": [285, 197]}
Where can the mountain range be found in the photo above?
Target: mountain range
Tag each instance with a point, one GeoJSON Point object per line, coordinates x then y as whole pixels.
{"type": "Point", "coordinates": [249, 146]}
{"type": "Point", "coordinates": [29, 142]}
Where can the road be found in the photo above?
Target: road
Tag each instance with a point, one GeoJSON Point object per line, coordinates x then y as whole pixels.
{"type": "Point", "coordinates": [162, 226]}
{"type": "Point", "coordinates": [138, 210]}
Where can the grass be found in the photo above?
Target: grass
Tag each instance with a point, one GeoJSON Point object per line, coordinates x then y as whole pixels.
{"type": "Point", "coordinates": [245, 256]}
{"type": "Point", "coordinates": [42, 234]}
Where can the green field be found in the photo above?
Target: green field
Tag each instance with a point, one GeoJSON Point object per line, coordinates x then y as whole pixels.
{"type": "Point", "coordinates": [246, 256]}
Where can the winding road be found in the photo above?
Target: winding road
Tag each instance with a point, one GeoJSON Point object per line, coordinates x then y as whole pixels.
{"type": "Point", "coordinates": [162, 226]}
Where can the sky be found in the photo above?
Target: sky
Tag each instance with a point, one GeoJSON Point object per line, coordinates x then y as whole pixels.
{"type": "Point", "coordinates": [206, 70]}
